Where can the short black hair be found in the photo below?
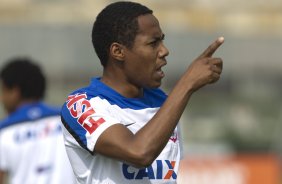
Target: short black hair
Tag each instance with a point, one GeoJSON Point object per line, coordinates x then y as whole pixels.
{"type": "Point", "coordinates": [117, 22]}
{"type": "Point", "coordinates": [26, 75]}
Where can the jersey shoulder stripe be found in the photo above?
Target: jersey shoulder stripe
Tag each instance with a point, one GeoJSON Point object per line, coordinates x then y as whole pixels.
{"type": "Point", "coordinates": [152, 98]}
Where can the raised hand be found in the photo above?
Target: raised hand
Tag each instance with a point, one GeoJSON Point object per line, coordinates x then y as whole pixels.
{"type": "Point", "coordinates": [205, 69]}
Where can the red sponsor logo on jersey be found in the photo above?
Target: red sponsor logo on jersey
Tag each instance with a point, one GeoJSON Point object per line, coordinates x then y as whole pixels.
{"type": "Point", "coordinates": [80, 108]}
{"type": "Point", "coordinates": [174, 137]}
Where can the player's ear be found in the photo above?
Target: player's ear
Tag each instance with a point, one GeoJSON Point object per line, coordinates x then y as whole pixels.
{"type": "Point", "coordinates": [117, 51]}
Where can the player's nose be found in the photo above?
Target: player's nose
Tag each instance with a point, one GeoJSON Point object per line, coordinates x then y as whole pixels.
{"type": "Point", "coordinates": [163, 51]}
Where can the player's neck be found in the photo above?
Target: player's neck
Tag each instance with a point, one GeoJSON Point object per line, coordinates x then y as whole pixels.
{"type": "Point", "coordinates": [121, 85]}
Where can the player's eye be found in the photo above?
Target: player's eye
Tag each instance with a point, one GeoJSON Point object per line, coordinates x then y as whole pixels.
{"type": "Point", "coordinates": [154, 43]}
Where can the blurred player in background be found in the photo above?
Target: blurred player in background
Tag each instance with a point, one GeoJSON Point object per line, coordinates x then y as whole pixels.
{"type": "Point", "coordinates": [122, 128]}
{"type": "Point", "coordinates": [31, 142]}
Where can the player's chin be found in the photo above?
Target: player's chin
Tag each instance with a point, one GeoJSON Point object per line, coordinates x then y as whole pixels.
{"type": "Point", "coordinates": [155, 83]}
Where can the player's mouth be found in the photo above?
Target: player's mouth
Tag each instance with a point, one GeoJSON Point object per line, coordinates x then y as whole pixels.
{"type": "Point", "coordinates": [160, 71]}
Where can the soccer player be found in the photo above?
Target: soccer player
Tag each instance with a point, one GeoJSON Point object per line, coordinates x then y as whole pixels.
{"type": "Point", "coordinates": [122, 128]}
{"type": "Point", "coordinates": [31, 142]}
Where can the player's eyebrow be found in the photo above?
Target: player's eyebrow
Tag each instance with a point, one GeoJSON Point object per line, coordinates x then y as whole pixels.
{"type": "Point", "coordinates": [156, 38]}
{"type": "Point", "coordinates": [162, 37]}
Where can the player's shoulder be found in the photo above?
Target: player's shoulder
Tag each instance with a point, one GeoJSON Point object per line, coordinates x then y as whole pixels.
{"type": "Point", "coordinates": [29, 112]}
{"type": "Point", "coordinates": [99, 94]}
{"type": "Point", "coordinates": [94, 89]}
{"type": "Point", "coordinates": [84, 97]}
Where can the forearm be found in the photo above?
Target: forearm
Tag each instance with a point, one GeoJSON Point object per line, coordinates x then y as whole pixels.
{"type": "Point", "coordinates": [153, 137]}
{"type": "Point", "coordinates": [142, 148]}
{"type": "Point", "coordinates": [155, 134]}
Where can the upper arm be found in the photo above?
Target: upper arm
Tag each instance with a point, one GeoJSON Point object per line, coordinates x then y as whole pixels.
{"type": "Point", "coordinates": [96, 129]}
{"type": "Point", "coordinates": [112, 140]}
{"type": "Point", "coordinates": [86, 120]}
{"type": "Point", "coordinates": [120, 143]}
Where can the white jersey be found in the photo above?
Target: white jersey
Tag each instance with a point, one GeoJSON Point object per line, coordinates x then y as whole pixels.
{"type": "Point", "coordinates": [32, 149]}
{"type": "Point", "coordinates": [89, 111]}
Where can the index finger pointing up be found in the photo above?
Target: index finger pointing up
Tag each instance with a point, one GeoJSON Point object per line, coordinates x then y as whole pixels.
{"type": "Point", "coordinates": [212, 48]}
